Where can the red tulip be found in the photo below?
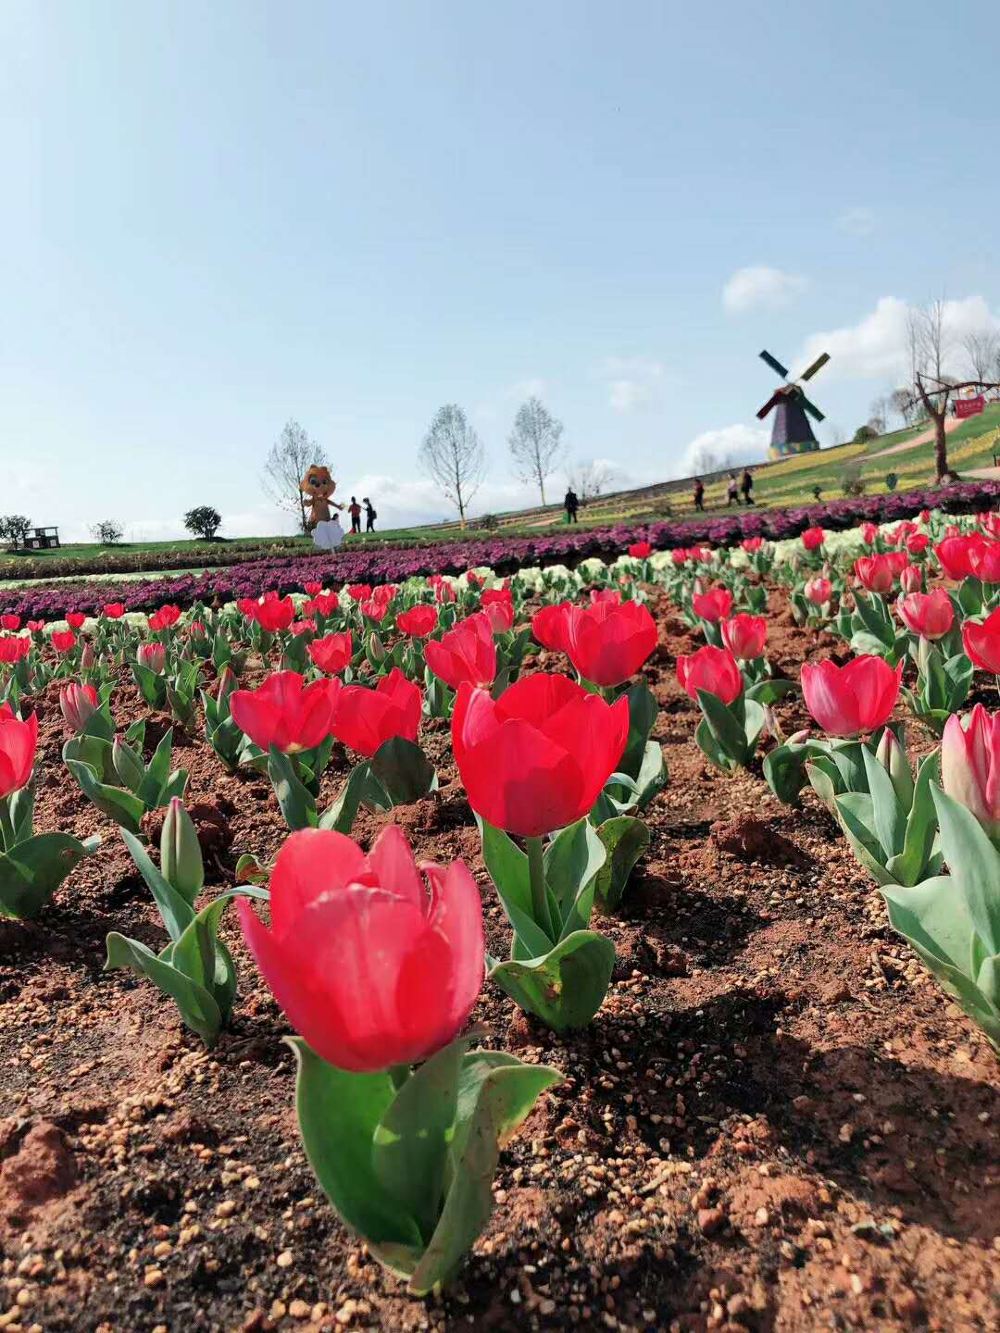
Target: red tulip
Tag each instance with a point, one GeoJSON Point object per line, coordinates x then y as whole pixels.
{"type": "Point", "coordinates": [444, 592]}
{"type": "Point", "coordinates": [930, 614]}
{"type": "Point", "coordinates": [869, 533]}
{"type": "Point", "coordinates": [372, 966]}
{"type": "Point", "coordinates": [323, 604]}
{"type": "Point", "coordinates": [63, 640]}
{"type": "Point", "coordinates": [875, 572]}
{"type": "Point", "coordinates": [300, 627]}
{"type": "Point", "coordinates": [312, 589]}
{"type": "Point", "coordinates": [286, 712]}
{"type": "Point", "coordinates": [640, 550]}
{"type": "Point", "coordinates": [854, 698]}
{"type": "Point", "coordinates": [608, 641]}
{"type": "Point", "coordinates": [169, 614]}
{"type": "Point", "coordinates": [113, 610]}
{"type": "Point", "coordinates": [18, 741]}
{"type": "Point", "coordinates": [10, 622]}
{"type": "Point", "coordinates": [375, 609]}
{"type": "Point", "coordinates": [713, 605]}
{"type": "Point", "coordinates": [752, 544]}
{"type": "Point", "coordinates": [745, 636]}
{"type": "Point", "coordinates": [333, 652]}
{"type": "Point", "coordinates": [499, 606]}
{"type": "Point", "coordinates": [78, 704]}
{"type": "Point", "coordinates": [917, 543]}
{"type": "Point", "coordinates": [984, 557]}
{"type": "Point", "coordinates": [537, 758]}
{"type": "Point", "coordinates": [13, 648]}
{"type": "Point", "coordinates": [274, 614]}
{"type": "Point", "coordinates": [466, 654]}
{"type": "Point", "coordinates": [418, 622]}
{"type": "Point", "coordinates": [359, 592]}
{"type": "Point", "coordinates": [35, 626]}
{"type": "Point", "coordinates": [981, 641]}
{"type": "Point", "coordinates": [550, 628]}
{"type": "Point", "coordinates": [818, 591]}
{"type": "Point", "coordinates": [955, 555]}
{"type": "Point", "coordinates": [153, 656]}
{"type": "Point", "coordinates": [970, 765]}
{"type": "Point", "coordinates": [365, 719]}
{"type": "Point", "coordinates": [75, 619]}
{"type": "Point", "coordinates": [711, 669]}
{"type": "Point", "coordinates": [813, 538]}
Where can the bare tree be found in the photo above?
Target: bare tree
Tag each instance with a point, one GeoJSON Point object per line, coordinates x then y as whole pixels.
{"type": "Point", "coordinates": [929, 338]}
{"type": "Point", "coordinates": [288, 460]}
{"type": "Point", "coordinates": [935, 397]}
{"type": "Point", "coordinates": [591, 479]}
{"type": "Point", "coordinates": [535, 443]}
{"type": "Point", "coordinates": [901, 404]}
{"type": "Point", "coordinates": [982, 351]}
{"type": "Point", "coordinates": [879, 412]}
{"type": "Point", "coordinates": [453, 456]}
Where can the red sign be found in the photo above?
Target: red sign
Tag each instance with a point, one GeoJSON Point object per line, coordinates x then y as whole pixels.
{"type": "Point", "coordinates": [969, 407]}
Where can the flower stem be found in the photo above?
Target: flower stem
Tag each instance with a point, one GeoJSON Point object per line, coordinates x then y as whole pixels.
{"type": "Point", "coordinates": [535, 848]}
{"type": "Point", "coordinates": [6, 826]}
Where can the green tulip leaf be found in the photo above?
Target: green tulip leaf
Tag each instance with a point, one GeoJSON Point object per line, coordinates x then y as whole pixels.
{"type": "Point", "coordinates": [404, 771]}
{"type": "Point", "coordinates": [120, 805]}
{"type": "Point", "coordinates": [339, 1113]}
{"type": "Point", "coordinates": [197, 1006]}
{"type": "Point", "coordinates": [572, 861]}
{"type": "Point", "coordinates": [507, 867]}
{"type": "Point", "coordinates": [297, 804]}
{"type": "Point", "coordinates": [625, 839]}
{"type": "Point", "coordinates": [32, 870]}
{"type": "Point", "coordinates": [565, 987]}
{"type": "Point", "coordinates": [177, 912]}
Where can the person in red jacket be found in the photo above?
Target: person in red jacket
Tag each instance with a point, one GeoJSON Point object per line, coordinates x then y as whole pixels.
{"type": "Point", "coordinates": [354, 509]}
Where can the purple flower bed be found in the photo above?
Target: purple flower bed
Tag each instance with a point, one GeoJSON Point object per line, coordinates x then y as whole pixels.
{"type": "Point", "coordinates": [504, 554]}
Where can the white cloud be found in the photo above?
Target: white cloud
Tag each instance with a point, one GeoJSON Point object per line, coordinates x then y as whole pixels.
{"type": "Point", "coordinates": [857, 221]}
{"type": "Point", "coordinates": [632, 381]}
{"type": "Point", "coordinates": [761, 288]}
{"type": "Point", "coordinates": [725, 446]}
{"type": "Point", "coordinates": [877, 346]}
{"type": "Point", "coordinates": [532, 387]}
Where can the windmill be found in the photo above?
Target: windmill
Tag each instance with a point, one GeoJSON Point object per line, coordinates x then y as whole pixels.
{"type": "Point", "coordinates": [792, 433]}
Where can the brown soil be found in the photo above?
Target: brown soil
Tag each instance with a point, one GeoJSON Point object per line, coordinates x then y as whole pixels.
{"type": "Point", "coordinates": [777, 1121]}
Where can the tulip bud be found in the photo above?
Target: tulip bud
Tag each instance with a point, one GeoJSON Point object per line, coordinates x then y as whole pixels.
{"type": "Point", "coordinates": [88, 657]}
{"type": "Point", "coordinates": [970, 765]}
{"type": "Point", "coordinates": [892, 757]}
{"type": "Point", "coordinates": [376, 648]}
{"type": "Point", "coordinates": [129, 768]}
{"type": "Point", "coordinates": [78, 704]}
{"type": "Point", "coordinates": [226, 684]}
{"type": "Point", "coordinates": [911, 579]}
{"type": "Point", "coordinates": [799, 737]}
{"type": "Point", "coordinates": [153, 656]}
{"type": "Point", "coordinates": [180, 852]}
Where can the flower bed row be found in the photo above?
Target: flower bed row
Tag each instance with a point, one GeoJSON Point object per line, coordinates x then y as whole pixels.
{"type": "Point", "coordinates": [505, 555]}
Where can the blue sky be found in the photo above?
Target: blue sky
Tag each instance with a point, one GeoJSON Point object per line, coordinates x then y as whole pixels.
{"type": "Point", "coordinates": [221, 216]}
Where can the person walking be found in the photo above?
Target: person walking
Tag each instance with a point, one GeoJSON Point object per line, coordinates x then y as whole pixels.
{"type": "Point", "coordinates": [699, 495]}
{"type": "Point", "coordinates": [732, 492]}
{"type": "Point", "coordinates": [370, 515]}
{"type": "Point", "coordinates": [571, 504]}
{"type": "Point", "coordinates": [746, 486]}
{"type": "Point", "coordinates": [354, 509]}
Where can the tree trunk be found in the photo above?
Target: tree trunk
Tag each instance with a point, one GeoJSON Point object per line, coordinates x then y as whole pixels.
{"type": "Point", "coordinates": [940, 446]}
{"type": "Point", "coordinates": [541, 487]}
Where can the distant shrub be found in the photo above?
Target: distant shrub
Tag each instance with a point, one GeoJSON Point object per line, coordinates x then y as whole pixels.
{"type": "Point", "coordinates": [865, 433]}
{"type": "Point", "coordinates": [817, 491]}
{"type": "Point", "coordinates": [488, 523]}
{"type": "Point", "coordinates": [851, 480]}
{"type": "Point", "coordinates": [108, 531]}
{"type": "Point", "coordinates": [891, 481]}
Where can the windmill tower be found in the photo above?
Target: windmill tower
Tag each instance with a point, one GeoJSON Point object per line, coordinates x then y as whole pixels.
{"type": "Point", "coordinates": [792, 433]}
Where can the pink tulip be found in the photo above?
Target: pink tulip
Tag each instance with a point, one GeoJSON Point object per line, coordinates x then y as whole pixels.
{"type": "Point", "coordinates": [18, 741]}
{"type": "Point", "coordinates": [970, 765]}
{"type": "Point", "coordinates": [930, 615]}
{"type": "Point", "coordinates": [374, 962]}
{"type": "Point", "coordinates": [153, 656]}
{"type": "Point", "coordinates": [858, 697]}
{"type": "Point", "coordinates": [713, 670]}
{"type": "Point", "coordinates": [465, 654]}
{"type": "Point", "coordinates": [981, 640]}
{"type": "Point", "coordinates": [286, 712]}
{"type": "Point", "coordinates": [745, 636]}
{"type": "Point", "coordinates": [78, 704]}
{"type": "Point", "coordinates": [713, 605]}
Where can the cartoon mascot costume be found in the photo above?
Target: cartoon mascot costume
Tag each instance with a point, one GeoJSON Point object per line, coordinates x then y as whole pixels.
{"type": "Point", "coordinates": [324, 525]}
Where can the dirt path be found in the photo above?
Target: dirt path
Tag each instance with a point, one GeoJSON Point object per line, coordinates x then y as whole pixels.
{"type": "Point", "coordinates": [951, 423]}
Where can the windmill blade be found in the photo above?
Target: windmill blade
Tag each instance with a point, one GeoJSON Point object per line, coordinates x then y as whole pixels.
{"type": "Point", "coordinates": [775, 364]}
{"type": "Point", "coordinates": [818, 364]}
{"type": "Point", "coordinates": [775, 398]}
{"type": "Point", "coordinates": [812, 409]}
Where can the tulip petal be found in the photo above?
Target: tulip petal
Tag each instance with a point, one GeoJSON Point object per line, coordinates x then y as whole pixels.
{"type": "Point", "coordinates": [395, 869]}
{"type": "Point", "coordinates": [312, 862]}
